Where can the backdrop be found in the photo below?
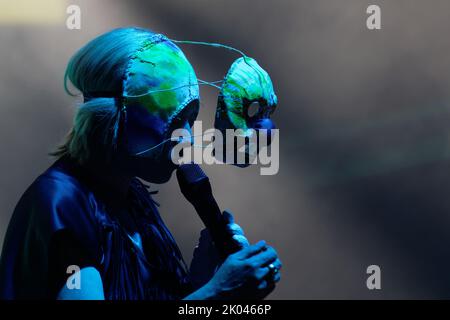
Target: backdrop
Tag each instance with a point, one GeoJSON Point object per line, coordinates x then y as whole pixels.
{"type": "Point", "coordinates": [364, 129]}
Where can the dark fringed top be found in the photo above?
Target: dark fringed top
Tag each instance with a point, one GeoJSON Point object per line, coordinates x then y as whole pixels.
{"type": "Point", "coordinates": [64, 218]}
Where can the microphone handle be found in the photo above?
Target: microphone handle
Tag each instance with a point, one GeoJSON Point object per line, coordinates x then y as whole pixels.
{"type": "Point", "coordinates": [211, 215]}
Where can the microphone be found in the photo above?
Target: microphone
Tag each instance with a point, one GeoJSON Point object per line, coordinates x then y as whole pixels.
{"type": "Point", "coordinates": [196, 188]}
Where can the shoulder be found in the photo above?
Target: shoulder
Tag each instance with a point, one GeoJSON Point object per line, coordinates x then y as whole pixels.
{"type": "Point", "coordinates": [59, 196]}
{"type": "Point", "coordinates": [58, 200]}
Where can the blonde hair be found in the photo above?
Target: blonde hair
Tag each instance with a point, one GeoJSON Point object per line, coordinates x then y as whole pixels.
{"type": "Point", "coordinates": [91, 133]}
{"type": "Point", "coordinates": [97, 71]}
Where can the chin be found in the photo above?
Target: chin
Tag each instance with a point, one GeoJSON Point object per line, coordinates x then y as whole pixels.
{"type": "Point", "coordinates": [159, 171]}
{"type": "Point", "coordinates": [158, 176]}
{"type": "Point", "coordinates": [163, 178]}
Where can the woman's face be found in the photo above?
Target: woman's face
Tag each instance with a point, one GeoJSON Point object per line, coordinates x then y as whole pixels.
{"type": "Point", "coordinates": [156, 165]}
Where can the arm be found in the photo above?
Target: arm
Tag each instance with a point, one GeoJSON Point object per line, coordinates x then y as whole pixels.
{"type": "Point", "coordinates": [207, 292]}
{"type": "Point", "coordinates": [230, 281]}
{"type": "Point", "coordinates": [90, 286]}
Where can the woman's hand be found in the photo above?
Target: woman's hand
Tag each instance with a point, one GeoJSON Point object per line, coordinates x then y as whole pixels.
{"type": "Point", "coordinates": [250, 273]}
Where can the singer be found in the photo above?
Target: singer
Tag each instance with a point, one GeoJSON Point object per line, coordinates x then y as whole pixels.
{"type": "Point", "coordinates": [89, 210]}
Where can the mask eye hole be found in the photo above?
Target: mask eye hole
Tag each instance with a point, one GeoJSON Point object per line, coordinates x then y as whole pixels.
{"type": "Point", "coordinates": [188, 114]}
{"type": "Point", "coordinates": [253, 109]}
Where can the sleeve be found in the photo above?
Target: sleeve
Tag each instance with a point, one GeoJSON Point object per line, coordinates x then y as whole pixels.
{"type": "Point", "coordinates": [63, 232]}
{"type": "Point", "coordinates": [66, 252]}
{"type": "Point", "coordinates": [205, 260]}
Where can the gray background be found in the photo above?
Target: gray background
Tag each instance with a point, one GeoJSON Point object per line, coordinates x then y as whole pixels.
{"type": "Point", "coordinates": [364, 122]}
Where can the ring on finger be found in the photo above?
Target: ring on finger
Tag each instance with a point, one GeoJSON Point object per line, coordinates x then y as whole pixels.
{"type": "Point", "coordinates": [273, 270]}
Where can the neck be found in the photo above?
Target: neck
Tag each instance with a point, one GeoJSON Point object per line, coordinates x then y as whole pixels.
{"type": "Point", "coordinates": [112, 178]}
